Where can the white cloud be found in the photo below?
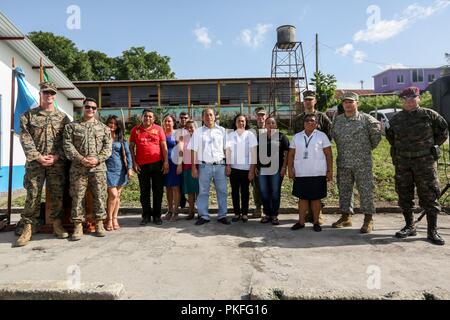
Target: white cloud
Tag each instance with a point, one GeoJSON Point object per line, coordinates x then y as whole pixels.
{"type": "Point", "coordinates": [254, 38]}
{"type": "Point", "coordinates": [202, 36]}
{"type": "Point", "coordinates": [392, 66]}
{"type": "Point", "coordinates": [345, 50]}
{"type": "Point", "coordinates": [359, 56]}
{"type": "Point", "coordinates": [386, 29]}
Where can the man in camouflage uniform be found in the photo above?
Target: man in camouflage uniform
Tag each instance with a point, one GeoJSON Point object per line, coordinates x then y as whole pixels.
{"type": "Point", "coordinates": [323, 124]}
{"type": "Point", "coordinates": [415, 134]}
{"type": "Point", "coordinates": [309, 103]}
{"type": "Point", "coordinates": [88, 144]}
{"type": "Point", "coordinates": [41, 138]}
{"type": "Point", "coordinates": [356, 134]}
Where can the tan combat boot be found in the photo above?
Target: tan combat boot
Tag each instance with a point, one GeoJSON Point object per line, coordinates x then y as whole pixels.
{"type": "Point", "coordinates": [25, 237]}
{"type": "Point", "coordinates": [77, 232]}
{"type": "Point", "coordinates": [368, 224]}
{"type": "Point", "coordinates": [343, 222]}
{"type": "Point", "coordinates": [58, 230]}
{"type": "Point", "coordinates": [99, 229]}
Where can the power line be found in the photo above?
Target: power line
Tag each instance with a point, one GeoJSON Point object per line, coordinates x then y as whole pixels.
{"type": "Point", "coordinates": [365, 60]}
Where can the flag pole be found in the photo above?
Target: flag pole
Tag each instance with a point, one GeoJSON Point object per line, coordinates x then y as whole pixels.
{"type": "Point", "coordinates": [11, 139]}
{"type": "Point", "coordinates": [41, 77]}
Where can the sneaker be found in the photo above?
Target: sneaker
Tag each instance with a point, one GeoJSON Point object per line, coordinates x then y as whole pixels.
{"type": "Point", "coordinates": [236, 218]}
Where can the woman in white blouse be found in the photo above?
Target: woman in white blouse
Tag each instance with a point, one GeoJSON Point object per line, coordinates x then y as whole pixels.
{"type": "Point", "coordinates": [310, 164]}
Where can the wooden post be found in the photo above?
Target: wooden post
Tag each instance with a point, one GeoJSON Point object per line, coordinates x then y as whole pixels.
{"type": "Point", "coordinates": [249, 98]}
{"type": "Point", "coordinates": [189, 100]}
{"type": "Point", "coordinates": [99, 96]}
{"type": "Point", "coordinates": [129, 104]}
{"type": "Point", "coordinates": [11, 139]}
{"type": "Point", "coordinates": [218, 96]}
{"type": "Point", "coordinates": [159, 95]}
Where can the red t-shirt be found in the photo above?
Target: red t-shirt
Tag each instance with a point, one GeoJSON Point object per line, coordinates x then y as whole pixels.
{"type": "Point", "coordinates": [148, 143]}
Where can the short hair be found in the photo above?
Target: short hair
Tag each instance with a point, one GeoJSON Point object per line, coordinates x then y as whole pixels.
{"type": "Point", "coordinates": [234, 126]}
{"type": "Point", "coordinates": [147, 111]}
{"type": "Point", "coordinates": [191, 122]}
{"type": "Point", "coordinates": [209, 108]}
{"type": "Point", "coordinates": [89, 100]}
{"type": "Point", "coordinates": [183, 113]}
{"type": "Point", "coordinates": [309, 116]}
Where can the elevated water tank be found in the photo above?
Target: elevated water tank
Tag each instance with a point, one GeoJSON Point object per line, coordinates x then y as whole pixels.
{"type": "Point", "coordinates": [286, 37]}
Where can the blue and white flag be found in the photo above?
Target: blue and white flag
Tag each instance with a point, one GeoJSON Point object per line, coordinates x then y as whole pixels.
{"type": "Point", "coordinates": [25, 100]}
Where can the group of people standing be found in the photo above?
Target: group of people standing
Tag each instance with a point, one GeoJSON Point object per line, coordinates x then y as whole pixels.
{"type": "Point", "coordinates": [187, 160]}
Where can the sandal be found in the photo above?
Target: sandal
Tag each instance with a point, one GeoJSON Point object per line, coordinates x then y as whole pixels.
{"type": "Point", "coordinates": [168, 216]}
{"type": "Point", "coordinates": [174, 217]}
{"type": "Point", "coordinates": [191, 216]}
{"type": "Point", "coordinates": [116, 225]}
{"type": "Point", "coordinates": [109, 225]}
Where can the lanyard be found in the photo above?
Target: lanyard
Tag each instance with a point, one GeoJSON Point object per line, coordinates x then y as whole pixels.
{"type": "Point", "coordinates": [308, 142]}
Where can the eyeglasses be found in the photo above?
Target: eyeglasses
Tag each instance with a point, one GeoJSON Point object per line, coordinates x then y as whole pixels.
{"type": "Point", "coordinates": [90, 107]}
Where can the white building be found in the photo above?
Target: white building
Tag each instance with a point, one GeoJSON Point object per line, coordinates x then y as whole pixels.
{"type": "Point", "coordinates": [27, 56]}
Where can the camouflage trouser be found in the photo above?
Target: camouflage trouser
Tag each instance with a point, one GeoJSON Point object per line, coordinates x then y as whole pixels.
{"type": "Point", "coordinates": [256, 194]}
{"type": "Point", "coordinates": [346, 179]}
{"type": "Point", "coordinates": [420, 173]}
{"type": "Point", "coordinates": [55, 180]}
{"type": "Point", "coordinates": [80, 180]}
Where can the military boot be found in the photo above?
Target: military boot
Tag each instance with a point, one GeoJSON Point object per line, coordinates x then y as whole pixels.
{"type": "Point", "coordinates": [433, 235]}
{"type": "Point", "coordinates": [27, 232]}
{"type": "Point", "coordinates": [343, 222]}
{"type": "Point", "coordinates": [99, 229]}
{"type": "Point", "coordinates": [77, 232]}
{"type": "Point", "coordinates": [410, 229]}
{"type": "Point", "coordinates": [59, 230]}
{"type": "Point", "coordinates": [368, 224]}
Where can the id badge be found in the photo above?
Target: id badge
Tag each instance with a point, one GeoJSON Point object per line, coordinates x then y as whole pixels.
{"type": "Point", "coordinates": [305, 155]}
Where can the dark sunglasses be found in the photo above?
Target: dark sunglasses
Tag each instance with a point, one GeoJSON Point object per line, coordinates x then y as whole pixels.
{"type": "Point", "coordinates": [90, 107]}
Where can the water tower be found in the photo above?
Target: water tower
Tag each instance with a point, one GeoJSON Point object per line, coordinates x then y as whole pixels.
{"type": "Point", "coordinates": [288, 76]}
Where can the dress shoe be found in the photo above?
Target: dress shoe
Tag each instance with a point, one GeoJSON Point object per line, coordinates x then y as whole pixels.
{"type": "Point", "coordinates": [317, 228]}
{"type": "Point", "coordinates": [297, 226]}
{"type": "Point", "coordinates": [157, 221]}
{"type": "Point", "coordinates": [201, 221]}
{"type": "Point", "coordinates": [144, 221]}
{"type": "Point", "coordinates": [224, 221]}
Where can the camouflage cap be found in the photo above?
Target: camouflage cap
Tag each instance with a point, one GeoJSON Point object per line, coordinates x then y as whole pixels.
{"type": "Point", "coordinates": [48, 86]}
{"type": "Point", "coordinates": [410, 92]}
{"type": "Point", "coordinates": [309, 94]}
{"type": "Point", "coordinates": [350, 96]}
{"type": "Point", "coordinates": [261, 111]}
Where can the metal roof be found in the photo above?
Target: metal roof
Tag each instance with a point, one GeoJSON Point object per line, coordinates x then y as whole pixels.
{"type": "Point", "coordinates": [33, 54]}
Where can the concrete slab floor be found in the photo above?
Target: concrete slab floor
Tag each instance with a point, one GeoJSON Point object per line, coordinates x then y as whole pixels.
{"type": "Point", "coordinates": [183, 261]}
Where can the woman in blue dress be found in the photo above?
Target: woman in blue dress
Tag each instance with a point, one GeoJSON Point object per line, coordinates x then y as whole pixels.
{"type": "Point", "coordinates": [120, 169]}
{"type": "Point", "coordinates": [172, 180]}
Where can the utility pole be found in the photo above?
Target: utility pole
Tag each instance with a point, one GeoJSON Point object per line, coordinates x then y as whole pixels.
{"type": "Point", "coordinates": [317, 54]}
{"type": "Point", "coordinates": [362, 84]}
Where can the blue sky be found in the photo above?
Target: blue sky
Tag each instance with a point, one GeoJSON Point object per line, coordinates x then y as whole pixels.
{"type": "Point", "coordinates": [214, 39]}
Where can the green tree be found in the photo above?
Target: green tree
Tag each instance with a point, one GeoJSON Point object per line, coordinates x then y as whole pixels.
{"type": "Point", "coordinates": [77, 65]}
{"type": "Point", "coordinates": [103, 67]}
{"type": "Point", "coordinates": [62, 51]}
{"type": "Point", "coordinates": [137, 64]}
{"type": "Point", "coordinates": [325, 85]}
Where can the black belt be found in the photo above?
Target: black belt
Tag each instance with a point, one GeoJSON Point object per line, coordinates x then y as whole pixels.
{"type": "Point", "coordinates": [214, 163]}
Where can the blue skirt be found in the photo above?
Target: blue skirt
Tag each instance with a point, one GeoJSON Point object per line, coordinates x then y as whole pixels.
{"type": "Point", "coordinates": [172, 179]}
{"type": "Point", "coordinates": [117, 178]}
